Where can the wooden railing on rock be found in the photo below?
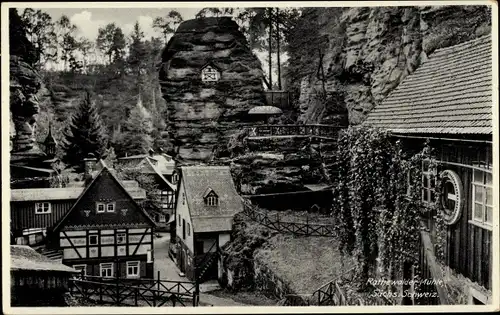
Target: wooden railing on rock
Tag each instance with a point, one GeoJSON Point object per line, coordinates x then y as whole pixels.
{"type": "Point", "coordinates": [135, 292]}
{"type": "Point", "coordinates": [296, 228]}
{"type": "Point", "coordinates": [312, 130]}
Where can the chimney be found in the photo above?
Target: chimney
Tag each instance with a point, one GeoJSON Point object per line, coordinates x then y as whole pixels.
{"type": "Point", "coordinates": [151, 152]}
{"type": "Point", "coordinates": [89, 166]}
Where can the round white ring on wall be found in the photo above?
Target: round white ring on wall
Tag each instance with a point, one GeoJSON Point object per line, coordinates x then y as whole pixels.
{"type": "Point", "coordinates": [451, 177]}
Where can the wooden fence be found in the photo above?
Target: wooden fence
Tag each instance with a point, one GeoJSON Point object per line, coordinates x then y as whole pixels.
{"type": "Point", "coordinates": [316, 130]}
{"type": "Point", "coordinates": [296, 228]}
{"type": "Point", "coordinates": [329, 294]}
{"type": "Point", "coordinates": [135, 292]}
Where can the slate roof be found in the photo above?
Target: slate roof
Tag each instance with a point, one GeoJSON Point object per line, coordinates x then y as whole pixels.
{"type": "Point", "coordinates": [23, 257]}
{"type": "Point", "coordinates": [196, 180]}
{"type": "Point", "coordinates": [451, 93]}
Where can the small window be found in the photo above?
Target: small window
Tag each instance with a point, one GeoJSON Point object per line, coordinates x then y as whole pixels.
{"type": "Point", "coordinates": [110, 207]}
{"type": "Point", "coordinates": [107, 270]}
{"type": "Point", "coordinates": [42, 207]}
{"type": "Point", "coordinates": [189, 229]}
{"type": "Point", "coordinates": [161, 218]}
{"type": "Point", "coordinates": [209, 74]}
{"type": "Point", "coordinates": [100, 207]}
{"type": "Point", "coordinates": [92, 239]}
{"type": "Point", "coordinates": [133, 269]}
{"type": "Point", "coordinates": [428, 183]}
{"type": "Point", "coordinates": [179, 219]}
{"type": "Point", "coordinates": [211, 200]}
{"type": "Point", "coordinates": [121, 238]}
{"type": "Point", "coordinates": [82, 269]}
{"type": "Point", "coordinates": [175, 178]}
{"type": "Point", "coordinates": [183, 198]}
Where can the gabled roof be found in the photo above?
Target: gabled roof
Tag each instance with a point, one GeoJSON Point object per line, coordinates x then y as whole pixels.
{"type": "Point", "coordinates": [104, 170]}
{"type": "Point", "coordinates": [212, 64]}
{"type": "Point", "coordinates": [208, 191]}
{"type": "Point", "coordinates": [451, 93]}
{"type": "Point", "coordinates": [23, 257]}
{"type": "Point", "coordinates": [196, 180]}
{"type": "Point", "coordinates": [159, 174]}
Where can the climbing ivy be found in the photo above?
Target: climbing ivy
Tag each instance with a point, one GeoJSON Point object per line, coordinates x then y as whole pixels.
{"type": "Point", "coordinates": [378, 202]}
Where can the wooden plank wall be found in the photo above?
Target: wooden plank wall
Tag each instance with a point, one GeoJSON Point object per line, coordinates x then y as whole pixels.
{"type": "Point", "coordinates": [468, 250]}
{"type": "Point", "coordinates": [23, 214]}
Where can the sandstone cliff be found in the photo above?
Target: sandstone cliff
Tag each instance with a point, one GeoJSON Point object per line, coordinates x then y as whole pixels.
{"type": "Point", "coordinates": [201, 114]}
{"type": "Point", "coordinates": [24, 85]}
{"type": "Point", "coordinates": [367, 51]}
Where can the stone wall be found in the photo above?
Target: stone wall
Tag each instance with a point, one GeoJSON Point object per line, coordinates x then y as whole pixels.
{"type": "Point", "coordinates": [201, 115]}
{"type": "Point", "coordinates": [368, 51]}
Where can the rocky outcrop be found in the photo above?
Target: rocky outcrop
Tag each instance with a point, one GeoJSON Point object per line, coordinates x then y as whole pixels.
{"type": "Point", "coordinates": [201, 114]}
{"type": "Point", "coordinates": [276, 165]}
{"type": "Point", "coordinates": [24, 85]}
{"type": "Point", "coordinates": [367, 51]}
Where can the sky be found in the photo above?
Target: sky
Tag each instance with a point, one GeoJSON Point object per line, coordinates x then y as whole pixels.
{"type": "Point", "coordinates": [88, 20]}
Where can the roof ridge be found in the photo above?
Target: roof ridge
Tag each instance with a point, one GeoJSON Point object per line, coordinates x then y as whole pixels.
{"type": "Point", "coordinates": [486, 37]}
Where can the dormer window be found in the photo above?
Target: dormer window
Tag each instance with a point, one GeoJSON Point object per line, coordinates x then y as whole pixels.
{"type": "Point", "coordinates": [209, 73]}
{"type": "Point", "coordinates": [211, 198]}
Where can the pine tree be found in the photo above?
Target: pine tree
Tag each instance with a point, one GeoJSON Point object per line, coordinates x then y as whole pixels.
{"type": "Point", "coordinates": [85, 134]}
{"type": "Point", "coordinates": [138, 55]}
{"type": "Point", "coordinates": [136, 136]}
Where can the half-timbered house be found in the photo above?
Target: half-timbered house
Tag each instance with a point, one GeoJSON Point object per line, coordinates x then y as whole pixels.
{"type": "Point", "coordinates": [448, 102]}
{"type": "Point", "coordinates": [105, 232]}
{"type": "Point", "coordinates": [207, 202]}
{"type": "Point", "coordinates": [159, 169]}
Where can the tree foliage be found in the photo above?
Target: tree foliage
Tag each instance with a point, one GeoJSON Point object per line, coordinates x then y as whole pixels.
{"type": "Point", "coordinates": [168, 24]}
{"type": "Point", "coordinates": [85, 134]}
{"type": "Point", "coordinates": [111, 42]}
{"type": "Point", "coordinates": [378, 202]}
{"type": "Point", "coordinates": [135, 137]}
{"type": "Point", "coordinates": [40, 31]}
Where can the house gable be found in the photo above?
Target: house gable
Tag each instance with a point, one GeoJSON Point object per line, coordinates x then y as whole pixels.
{"type": "Point", "coordinates": [106, 190]}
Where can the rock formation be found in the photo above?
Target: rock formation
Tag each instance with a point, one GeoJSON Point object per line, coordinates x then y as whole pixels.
{"type": "Point", "coordinates": [24, 85]}
{"type": "Point", "coordinates": [202, 115]}
{"type": "Point", "coordinates": [367, 51]}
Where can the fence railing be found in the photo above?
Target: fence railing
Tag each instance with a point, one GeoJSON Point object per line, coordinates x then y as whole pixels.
{"type": "Point", "coordinates": [274, 222]}
{"type": "Point", "coordinates": [316, 130]}
{"type": "Point", "coordinates": [329, 294]}
{"type": "Point", "coordinates": [135, 292]}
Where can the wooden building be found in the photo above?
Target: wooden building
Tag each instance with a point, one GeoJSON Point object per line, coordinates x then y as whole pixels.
{"type": "Point", "coordinates": [448, 101]}
{"type": "Point", "coordinates": [35, 211]}
{"type": "Point", "coordinates": [37, 280]}
{"type": "Point", "coordinates": [207, 202]}
{"type": "Point", "coordinates": [105, 232]}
